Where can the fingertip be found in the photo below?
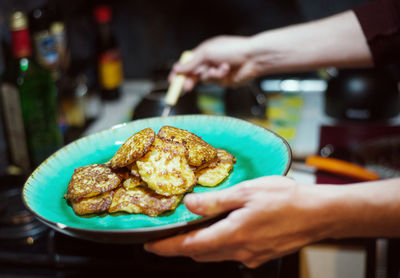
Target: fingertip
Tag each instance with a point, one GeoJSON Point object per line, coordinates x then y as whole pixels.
{"type": "Point", "coordinates": [191, 201]}
{"type": "Point", "coordinates": [188, 85]}
{"type": "Point", "coordinates": [194, 203]}
{"type": "Point", "coordinates": [202, 204]}
{"type": "Point", "coordinates": [174, 66]}
{"type": "Point", "coordinates": [190, 66]}
{"type": "Point", "coordinates": [177, 67]}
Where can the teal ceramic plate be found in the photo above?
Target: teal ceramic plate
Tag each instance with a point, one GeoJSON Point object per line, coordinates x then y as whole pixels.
{"type": "Point", "coordinates": [259, 152]}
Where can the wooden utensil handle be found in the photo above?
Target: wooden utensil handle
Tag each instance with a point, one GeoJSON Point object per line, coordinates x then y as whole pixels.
{"type": "Point", "coordinates": [176, 86]}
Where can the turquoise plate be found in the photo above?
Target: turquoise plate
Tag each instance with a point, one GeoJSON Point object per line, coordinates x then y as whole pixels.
{"type": "Point", "coordinates": [259, 152]}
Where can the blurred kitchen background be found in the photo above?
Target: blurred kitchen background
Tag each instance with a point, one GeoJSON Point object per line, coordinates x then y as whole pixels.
{"type": "Point", "coordinates": [148, 36]}
{"type": "Point", "coordinates": [152, 34]}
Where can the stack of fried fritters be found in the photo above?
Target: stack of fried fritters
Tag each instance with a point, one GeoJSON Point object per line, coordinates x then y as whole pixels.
{"type": "Point", "coordinates": [149, 173]}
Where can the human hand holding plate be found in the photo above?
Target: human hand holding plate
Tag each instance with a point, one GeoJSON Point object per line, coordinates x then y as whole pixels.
{"type": "Point", "coordinates": [268, 219]}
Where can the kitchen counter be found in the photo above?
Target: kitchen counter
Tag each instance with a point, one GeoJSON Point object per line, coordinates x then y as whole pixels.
{"type": "Point", "coordinates": [119, 111]}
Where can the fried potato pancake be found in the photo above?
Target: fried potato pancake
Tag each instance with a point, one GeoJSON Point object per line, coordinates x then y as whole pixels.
{"type": "Point", "coordinates": [200, 152]}
{"type": "Point", "coordinates": [149, 174]}
{"type": "Point", "coordinates": [223, 155]}
{"type": "Point", "coordinates": [165, 168]}
{"type": "Point", "coordinates": [97, 204]}
{"type": "Point", "coordinates": [133, 148]}
{"type": "Point", "coordinates": [217, 172]}
{"type": "Point", "coordinates": [142, 200]}
{"type": "Point", "coordinates": [133, 182]}
{"type": "Point", "coordinates": [91, 180]}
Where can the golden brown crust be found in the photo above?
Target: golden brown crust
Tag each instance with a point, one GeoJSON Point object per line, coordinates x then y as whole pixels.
{"type": "Point", "coordinates": [200, 152]}
{"type": "Point", "coordinates": [133, 182]}
{"type": "Point", "coordinates": [91, 180]}
{"type": "Point", "coordinates": [165, 168]}
{"type": "Point", "coordinates": [214, 174]}
{"type": "Point", "coordinates": [224, 155]}
{"type": "Point", "coordinates": [97, 204]}
{"type": "Point", "coordinates": [133, 148]}
{"type": "Point", "coordinates": [211, 164]}
{"type": "Point", "coordinates": [142, 200]}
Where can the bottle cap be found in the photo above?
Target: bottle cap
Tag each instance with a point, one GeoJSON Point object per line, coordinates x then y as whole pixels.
{"type": "Point", "coordinates": [57, 27]}
{"type": "Point", "coordinates": [102, 14]}
{"type": "Point", "coordinates": [18, 21]}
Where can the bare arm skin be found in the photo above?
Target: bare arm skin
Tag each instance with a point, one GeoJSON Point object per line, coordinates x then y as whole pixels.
{"type": "Point", "coordinates": [273, 216]}
{"type": "Point", "coordinates": [231, 60]}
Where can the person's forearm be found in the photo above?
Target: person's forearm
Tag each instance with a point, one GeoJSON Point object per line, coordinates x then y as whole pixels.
{"type": "Point", "coordinates": [361, 210]}
{"type": "Point", "coordinates": [334, 41]}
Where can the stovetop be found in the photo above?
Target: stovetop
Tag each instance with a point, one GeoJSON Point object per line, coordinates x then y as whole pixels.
{"type": "Point", "coordinates": [56, 254]}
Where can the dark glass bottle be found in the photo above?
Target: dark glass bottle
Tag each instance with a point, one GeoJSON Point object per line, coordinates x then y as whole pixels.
{"type": "Point", "coordinates": [110, 74]}
{"type": "Point", "coordinates": [40, 20]}
{"type": "Point", "coordinates": [31, 86]}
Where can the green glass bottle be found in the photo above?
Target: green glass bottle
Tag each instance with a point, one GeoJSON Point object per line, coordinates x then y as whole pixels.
{"type": "Point", "coordinates": [33, 85]}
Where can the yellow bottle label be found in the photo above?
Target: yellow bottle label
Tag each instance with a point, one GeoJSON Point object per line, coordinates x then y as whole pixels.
{"type": "Point", "coordinates": [110, 70]}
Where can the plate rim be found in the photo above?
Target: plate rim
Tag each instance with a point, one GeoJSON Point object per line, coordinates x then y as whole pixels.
{"type": "Point", "coordinates": [65, 227]}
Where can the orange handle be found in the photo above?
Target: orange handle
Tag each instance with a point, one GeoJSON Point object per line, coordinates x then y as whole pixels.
{"type": "Point", "coordinates": [341, 167]}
